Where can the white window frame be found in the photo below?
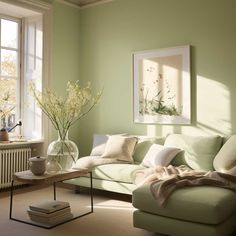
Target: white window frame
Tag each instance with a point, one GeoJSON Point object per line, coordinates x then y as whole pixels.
{"type": "Point", "coordinates": [46, 10]}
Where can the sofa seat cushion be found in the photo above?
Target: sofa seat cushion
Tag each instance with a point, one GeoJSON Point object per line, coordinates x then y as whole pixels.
{"type": "Point", "coordinates": [203, 204]}
{"type": "Point", "coordinates": [116, 172]}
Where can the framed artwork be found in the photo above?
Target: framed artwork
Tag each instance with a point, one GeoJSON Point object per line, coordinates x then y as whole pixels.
{"type": "Point", "coordinates": [161, 86]}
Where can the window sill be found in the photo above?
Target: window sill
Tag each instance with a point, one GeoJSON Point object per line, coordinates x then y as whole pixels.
{"type": "Point", "coordinates": [20, 142]}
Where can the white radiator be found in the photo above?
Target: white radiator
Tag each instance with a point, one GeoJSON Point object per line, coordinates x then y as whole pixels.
{"type": "Point", "coordinates": [11, 161]}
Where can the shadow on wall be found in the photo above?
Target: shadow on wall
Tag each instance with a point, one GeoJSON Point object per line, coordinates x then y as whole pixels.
{"type": "Point", "coordinates": [212, 113]}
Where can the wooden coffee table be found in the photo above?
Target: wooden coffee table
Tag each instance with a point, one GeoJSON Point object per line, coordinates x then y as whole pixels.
{"type": "Point", "coordinates": [28, 177]}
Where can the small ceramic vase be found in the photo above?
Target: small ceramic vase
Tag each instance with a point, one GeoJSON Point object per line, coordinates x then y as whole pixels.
{"type": "Point", "coordinates": [37, 165]}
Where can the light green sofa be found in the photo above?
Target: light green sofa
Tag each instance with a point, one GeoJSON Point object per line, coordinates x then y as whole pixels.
{"type": "Point", "coordinates": [118, 177]}
{"type": "Point", "coordinates": [203, 210]}
{"type": "Point", "coordinates": [199, 210]}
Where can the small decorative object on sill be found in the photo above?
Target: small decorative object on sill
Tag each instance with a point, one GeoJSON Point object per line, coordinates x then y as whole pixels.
{"type": "Point", "coordinates": [4, 137]}
{"type": "Point", "coordinates": [63, 113]}
{"type": "Point", "coordinates": [4, 132]}
{"type": "Point", "coordinates": [13, 127]}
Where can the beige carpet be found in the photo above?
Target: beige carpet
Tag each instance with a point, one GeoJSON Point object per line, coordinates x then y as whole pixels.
{"type": "Point", "coordinates": [112, 214]}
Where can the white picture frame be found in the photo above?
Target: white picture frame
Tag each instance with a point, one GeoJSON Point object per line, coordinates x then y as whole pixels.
{"type": "Point", "coordinates": [162, 86]}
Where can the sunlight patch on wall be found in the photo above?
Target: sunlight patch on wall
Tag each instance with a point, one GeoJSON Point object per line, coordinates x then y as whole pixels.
{"type": "Point", "coordinates": [213, 114]}
{"type": "Point", "coordinates": [163, 130]}
{"type": "Point", "coordinates": [213, 106]}
{"type": "Point", "coordinates": [151, 130]}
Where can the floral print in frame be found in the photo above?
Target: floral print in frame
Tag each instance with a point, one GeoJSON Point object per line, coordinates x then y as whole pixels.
{"type": "Point", "coordinates": [162, 86]}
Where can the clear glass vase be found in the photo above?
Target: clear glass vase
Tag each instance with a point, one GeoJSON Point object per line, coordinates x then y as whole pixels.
{"type": "Point", "coordinates": [63, 151]}
{"type": "Point", "coordinates": [53, 166]}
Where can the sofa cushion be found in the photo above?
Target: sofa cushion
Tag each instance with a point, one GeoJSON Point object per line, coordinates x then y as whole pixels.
{"type": "Point", "coordinates": [116, 172]}
{"type": "Point", "coordinates": [226, 157]}
{"type": "Point", "coordinates": [203, 204]}
{"type": "Point", "coordinates": [199, 151]}
{"type": "Point", "coordinates": [120, 147]}
{"type": "Point", "coordinates": [159, 155]}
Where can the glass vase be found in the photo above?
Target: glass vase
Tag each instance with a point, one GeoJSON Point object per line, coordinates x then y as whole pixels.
{"type": "Point", "coordinates": [63, 151]}
{"type": "Point", "coordinates": [53, 166]}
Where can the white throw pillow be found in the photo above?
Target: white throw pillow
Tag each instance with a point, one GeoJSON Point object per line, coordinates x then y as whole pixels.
{"type": "Point", "coordinates": [120, 147]}
{"type": "Point", "coordinates": [99, 144]}
{"type": "Point", "coordinates": [159, 155]}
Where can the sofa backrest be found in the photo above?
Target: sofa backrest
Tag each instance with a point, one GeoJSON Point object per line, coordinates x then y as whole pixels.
{"type": "Point", "coordinates": [198, 151]}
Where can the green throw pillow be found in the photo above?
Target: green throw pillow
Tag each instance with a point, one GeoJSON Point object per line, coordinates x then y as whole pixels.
{"type": "Point", "coordinates": [199, 151]}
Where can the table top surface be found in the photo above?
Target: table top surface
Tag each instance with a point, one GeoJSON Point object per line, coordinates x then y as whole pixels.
{"type": "Point", "coordinates": [28, 177]}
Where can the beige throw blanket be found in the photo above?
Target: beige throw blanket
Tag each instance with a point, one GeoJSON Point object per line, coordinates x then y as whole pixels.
{"type": "Point", "coordinates": [164, 180]}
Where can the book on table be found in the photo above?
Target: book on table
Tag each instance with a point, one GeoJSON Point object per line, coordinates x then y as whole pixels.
{"type": "Point", "coordinates": [49, 206]}
{"type": "Point", "coordinates": [52, 220]}
{"type": "Point", "coordinates": [50, 212]}
{"type": "Point", "coordinates": [48, 215]}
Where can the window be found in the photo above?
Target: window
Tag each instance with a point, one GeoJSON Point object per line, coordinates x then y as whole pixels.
{"type": "Point", "coordinates": [25, 51]}
{"type": "Point", "coordinates": [9, 70]}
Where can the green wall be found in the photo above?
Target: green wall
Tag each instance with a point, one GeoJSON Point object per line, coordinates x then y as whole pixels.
{"type": "Point", "coordinates": [108, 34]}
{"type": "Point", "coordinates": [66, 50]}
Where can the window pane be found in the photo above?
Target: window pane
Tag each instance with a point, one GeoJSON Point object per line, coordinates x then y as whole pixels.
{"type": "Point", "coordinates": [9, 63]}
{"type": "Point", "coordinates": [9, 34]}
{"type": "Point", "coordinates": [8, 101]}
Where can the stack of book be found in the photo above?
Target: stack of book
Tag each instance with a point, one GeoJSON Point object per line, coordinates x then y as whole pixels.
{"type": "Point", "coordinates": [50, 212]}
